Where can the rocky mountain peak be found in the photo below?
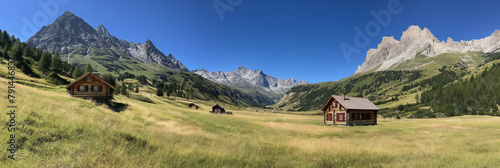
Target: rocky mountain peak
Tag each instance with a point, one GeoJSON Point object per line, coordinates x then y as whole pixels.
{"type": "Point", "coordinates": [101, 30]}
{"type": "Point", "coordinates": [449, 40]}
{"type": "Point", "coordinates": [496, 34]}
{"type": "Point", "coordinates": [70, 34]}
{"type": "Point", "coordinates": [416, 40]}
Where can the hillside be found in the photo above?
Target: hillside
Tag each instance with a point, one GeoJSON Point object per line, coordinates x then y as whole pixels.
{"type": "Point", "coordinates": [60, 131]}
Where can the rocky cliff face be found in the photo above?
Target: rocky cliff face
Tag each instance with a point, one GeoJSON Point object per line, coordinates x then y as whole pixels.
{"type": "Point", "coordinates": [416, 40]}
{"type": "Point", "coordinates": [244, 77]}
{"type": "Point", "coordinates": [70, 34]}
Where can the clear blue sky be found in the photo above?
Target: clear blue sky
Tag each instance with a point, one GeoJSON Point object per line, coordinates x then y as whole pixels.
{"type": "Point", "coordinates": [284, 38]}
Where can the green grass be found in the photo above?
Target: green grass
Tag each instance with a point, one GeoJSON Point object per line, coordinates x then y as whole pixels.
{"type": "Point", "coordinates": [57, 130]}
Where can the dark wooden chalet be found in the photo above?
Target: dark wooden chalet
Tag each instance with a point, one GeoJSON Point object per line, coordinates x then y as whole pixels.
{"type": "Point", "coordinates": [349, 111]}
{"type": "Point", "coordinates": [194, 106]}
{"type": "Point", "coordinates": [217, 109]}
{"type": "Point", "coordinates": [91, 86]}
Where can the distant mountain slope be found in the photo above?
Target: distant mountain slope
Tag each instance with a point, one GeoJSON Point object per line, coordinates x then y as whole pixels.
{"type": "Point", "coordinates": [252, 81]}
{"type": "Point", "coordinates": [78, 42]}
{"type": "Point", "coordinates": [391, 52]}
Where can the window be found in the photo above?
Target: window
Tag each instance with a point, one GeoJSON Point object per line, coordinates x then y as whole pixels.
{"type": "Point", "coordinates": [96, 88]}
{"type": "Point", "coordinates": [340, 116]}
{"type": "Point", "coordinates": [329, 117]}
{"type": "Point", "coordinates": [335, 104]}
{"type": "Point", "coordinates": [82, 88]}
{"type": "Point", "coordinates": [89, 79]}
{"type": "Point", "coordinates": [366, 116]}
{"type": "Point", "coordinates": [355, 116]}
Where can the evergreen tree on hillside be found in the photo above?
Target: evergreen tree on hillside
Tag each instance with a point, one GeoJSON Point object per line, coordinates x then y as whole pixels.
{"type": "Point", "coordinates": [137, 88]}
{"type": "Point", "coordinates": [44, 63]}
{"type": "Point", "coordinates": [159, 92]}
{"type": "Point", "coordinates": [27, 52]}
{"type": "Point", "coordinates": [5, 39]}
{"type": "Point", "coordinates": [56, 64]}
{"type": "Point", "coordinates": [16, 52]}
{"type": "Point", "coordinates": [123, 89]}
{"type": "Point", "coordinates": [88, 68]}
{"type": "Point", "coordinates": [5, 54]}
{"type": "Point", "coordinates": [77, 73]}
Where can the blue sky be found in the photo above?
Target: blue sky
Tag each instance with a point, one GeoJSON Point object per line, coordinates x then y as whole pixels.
{"type": "Point", "coordinates": [284, 38]}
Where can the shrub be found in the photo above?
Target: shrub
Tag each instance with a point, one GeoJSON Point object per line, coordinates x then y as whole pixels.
{"type": "Point", "coordinates": [141, 98]}
{"type": "Point", "coordinates": [56, 79]}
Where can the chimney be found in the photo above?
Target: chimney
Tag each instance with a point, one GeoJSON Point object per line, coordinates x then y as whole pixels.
{"type": "Point", "coordinates": [343, 96]}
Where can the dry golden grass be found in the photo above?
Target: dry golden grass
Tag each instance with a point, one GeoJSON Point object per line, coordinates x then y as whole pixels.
{"type": "Point", "coordinates": [57, 130]}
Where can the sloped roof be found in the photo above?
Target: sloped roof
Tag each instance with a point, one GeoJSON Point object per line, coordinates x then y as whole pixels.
{"type": "Point", "coordinates": [219, 106]}
{"type": "Point", "coordinates": [85, 75]}
{"type": "Point", "coordinates": [353, 103]}
{"type": "Point", "coordinates": [192, 104]}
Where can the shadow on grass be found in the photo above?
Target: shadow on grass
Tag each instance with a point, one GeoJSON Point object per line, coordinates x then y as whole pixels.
{"type": "Point", "coordinates": [117, 107]}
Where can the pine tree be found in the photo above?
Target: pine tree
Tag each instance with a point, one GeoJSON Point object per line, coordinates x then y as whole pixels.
{"type": "Point", "coordinates": [44, 63]}
{"type": "Point", "coordinates": [123, 89]}
{"type": "Point", "coordinates": [137, 88]}
{"type": "Point", "coordinates": [56, 63]}
{"type": "Point", "coordinates": [27, 52]}
{"type": "Point", "coordinates": [16, 52]}
{"type": "Point", "coordinates": [5, 39]}
{"type": "Point", "coordinates": [5, 54]}
{"type": "Point", "coordinates": [77, 72]}
{"type": "Point", "coordinates": [159, 92]}
{"type": "Point", "coordinates": [88, 68]}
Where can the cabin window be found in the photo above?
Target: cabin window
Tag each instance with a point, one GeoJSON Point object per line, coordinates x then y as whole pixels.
{"type": "Point", "coordinates": [82, 88]}
{"type": "Point", "coordinates": [329, 117]}
{"type": "Point", "coordinates": [355, 116]}
{"type": "Point", "coordinates": [340, 116]}
{"type": "Point", "coordinates": [366, 116]}
{"type": "Point", "coordinates": [89, 79]}
{"type": "Point", "coordinates": [96, 88]}
{"type": "Point", "coordinates": [334, 104]}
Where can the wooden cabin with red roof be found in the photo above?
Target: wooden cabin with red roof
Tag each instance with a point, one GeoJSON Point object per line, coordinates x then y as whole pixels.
{"type": "Point", "coordinates": [91, 86]}
{"type": "Point", "coordinates": [349, 111]}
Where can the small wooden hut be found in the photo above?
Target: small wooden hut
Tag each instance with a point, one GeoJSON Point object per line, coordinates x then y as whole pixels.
{"type": "Point", "coordinates": [194, 106]}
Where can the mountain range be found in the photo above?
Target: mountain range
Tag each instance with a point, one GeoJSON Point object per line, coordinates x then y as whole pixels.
{"type": "Point", "coordinates": [72, 37]}
{"type": "Point", "coordinates": [391, 52]}
{"type": "Point", "coordinates": [245, 78]}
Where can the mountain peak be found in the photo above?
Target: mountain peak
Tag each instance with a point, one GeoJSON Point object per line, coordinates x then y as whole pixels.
{"type": "Point", "coordinates": [496, 34]}
{"type": "Point", "coordinates": [101, 30]}
{"type": "Point", "coordinates": [68, 13]}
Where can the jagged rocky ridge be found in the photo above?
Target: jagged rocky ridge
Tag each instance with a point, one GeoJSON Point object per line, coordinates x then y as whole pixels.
{"type": "Point", "coordinates": [244, 77]}
{"type": "Point", "coordinates": [416, 40]}
{"type": "Point", "coordinates": [70, 34]}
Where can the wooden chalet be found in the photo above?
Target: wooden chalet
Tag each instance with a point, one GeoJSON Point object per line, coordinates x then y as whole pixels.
{"type": "Point", "coordinates": [66, 74]}
{"type": "Point", "coordinates": [194, 106]}
{"type": "Point", "coordinates": [217, 109]}
{"type": "Point", "coordinates": [349, 111]}
{"type": "Point", "coordinates": [91, 86]}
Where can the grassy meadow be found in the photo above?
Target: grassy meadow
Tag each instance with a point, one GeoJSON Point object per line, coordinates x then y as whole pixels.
{"type": "Point", "coordinates": [56, 130]}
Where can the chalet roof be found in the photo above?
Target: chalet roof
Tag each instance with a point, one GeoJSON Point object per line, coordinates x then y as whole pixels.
{"type": "Point", "coordinates": [353, 103]}
{"type": "Point", "coordinates": [219, 106]}
{"type": "Point", "coordinates": [192, 104]}
{"type": "Point", "coordinates": [85, 75]}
